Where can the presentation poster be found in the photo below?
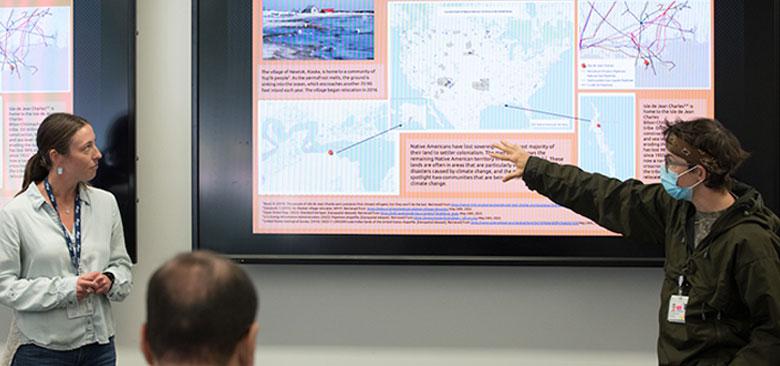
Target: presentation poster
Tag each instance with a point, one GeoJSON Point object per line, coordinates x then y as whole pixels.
{"type": "Point", "coordinates": [36, 44]}
{"type": "Point", "coordinates": [377, 116]}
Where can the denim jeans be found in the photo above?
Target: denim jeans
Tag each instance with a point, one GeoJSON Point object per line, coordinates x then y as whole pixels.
{"type": "Point", "coordinates": [92, 355]}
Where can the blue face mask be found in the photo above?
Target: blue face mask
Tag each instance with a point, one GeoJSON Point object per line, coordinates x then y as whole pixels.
{"type": "Point", "coordinates": [669, 181]}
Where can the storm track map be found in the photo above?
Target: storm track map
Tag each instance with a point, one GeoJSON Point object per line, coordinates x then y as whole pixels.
{"type": "Point", "coordinates": [30, 38]}
{"type": "Point", "coordinates": [35, 79]}
{"type": "Point", "coordinates": [662, 44]}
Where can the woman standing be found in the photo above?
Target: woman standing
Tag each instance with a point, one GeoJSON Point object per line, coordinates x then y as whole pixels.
{"type": "Point", "coordinates": [62, 252]}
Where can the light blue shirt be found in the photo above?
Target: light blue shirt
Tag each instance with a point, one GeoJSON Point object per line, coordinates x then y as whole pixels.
{"type": "Point", "coordinates": [38, 281]}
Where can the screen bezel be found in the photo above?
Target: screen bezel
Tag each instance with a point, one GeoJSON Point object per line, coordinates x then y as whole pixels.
{"type": "Point", "coordinates": [104, 94]}
{"type": "Point", "coordinates": [222, 171]}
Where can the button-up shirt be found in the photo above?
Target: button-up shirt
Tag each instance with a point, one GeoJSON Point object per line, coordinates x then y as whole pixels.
{"type": "Point", "coordinates": [38, 281]}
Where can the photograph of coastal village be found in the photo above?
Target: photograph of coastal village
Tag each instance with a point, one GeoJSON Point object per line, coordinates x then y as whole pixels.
{"type": "Point", "coordinates": [318, 30]}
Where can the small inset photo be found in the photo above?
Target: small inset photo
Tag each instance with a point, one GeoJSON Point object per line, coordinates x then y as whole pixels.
{"type": "Point", "coordinates": [318, 30]}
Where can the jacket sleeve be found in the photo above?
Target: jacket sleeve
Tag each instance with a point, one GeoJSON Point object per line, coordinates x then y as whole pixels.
{"type": "Point", "coordinates": [22, 294]}
{"type": "Point", "coordinates": [758, 281]}
{"type": "Point", "coordinates": [119, 263]}
{"type": "Point", "coordinates": [631, 208]}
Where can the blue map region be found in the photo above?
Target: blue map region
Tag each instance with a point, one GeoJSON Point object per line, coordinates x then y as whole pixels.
{"type": "Point", "coordinates": [684, 74]}
{"type": "Point", "coordinates": [607, 137]}
{"type": "Point", "coordinates": [518, 42]}
{"type": "Point", "coordinates": [552, 97]}
{"type": "Point", "coordinates": [319, 155]}
{"type": "Point", "coordinates": [52, 73]}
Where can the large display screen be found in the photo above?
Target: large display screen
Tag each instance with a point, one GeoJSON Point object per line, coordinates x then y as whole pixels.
{"type": "Point", "coordinates": [77, 57]}
{"type": "Point", "coordinates": [360, 129]}
{"type": "Point", "coordinates": [377, 116]}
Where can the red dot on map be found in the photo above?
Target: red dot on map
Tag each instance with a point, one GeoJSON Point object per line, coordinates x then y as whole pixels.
{"type": "Point", "coordinates": [598, 125]}
{"type": "Point", "coordinates": [583, 65]}
{"type": "Point", "coordinates": [330, 152]}
{"type": "Point", "coordinates": [647, 62]}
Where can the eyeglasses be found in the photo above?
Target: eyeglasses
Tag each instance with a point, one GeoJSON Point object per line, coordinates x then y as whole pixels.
{"type": "Point", "coordinates": [670, 162]}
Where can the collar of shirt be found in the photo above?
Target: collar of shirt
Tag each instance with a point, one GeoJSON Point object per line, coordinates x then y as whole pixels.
{"type": "Point", "coordinates": [37, 199]}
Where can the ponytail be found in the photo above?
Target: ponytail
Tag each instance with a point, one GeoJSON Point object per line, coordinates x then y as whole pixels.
{"type": "Point", "coordinates": [35, 171]}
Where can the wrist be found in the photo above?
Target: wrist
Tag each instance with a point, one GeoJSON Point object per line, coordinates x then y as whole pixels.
{"type": "Point", "coordinates": [111, 278]}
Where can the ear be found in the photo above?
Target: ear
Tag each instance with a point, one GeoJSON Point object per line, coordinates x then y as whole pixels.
{"type": "Point", "coordinates": [145, 348]}
{"type": "Point", "coordinates": [246, 347]}
{"type": "Point", "coordinates": [54, 157]}
{"type": "Point", "coordinates": [702, 173]}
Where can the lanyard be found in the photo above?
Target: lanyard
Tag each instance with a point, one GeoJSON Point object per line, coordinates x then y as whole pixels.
{"type": "Point", "coordinates": [74, 249]}
{"type": "Point", "coordinates": [680, 282]}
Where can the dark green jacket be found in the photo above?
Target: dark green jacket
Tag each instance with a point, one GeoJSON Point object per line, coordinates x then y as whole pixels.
{"type": "Point", "coordinates": [732, 277]}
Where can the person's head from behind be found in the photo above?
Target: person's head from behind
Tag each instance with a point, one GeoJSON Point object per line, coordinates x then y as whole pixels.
{"type": "Point", "coordinates": [66, 146]}
{"type": "Point", "coordinates": [702, 151]}
{"type": "Point", "coordinates": [200, 310]}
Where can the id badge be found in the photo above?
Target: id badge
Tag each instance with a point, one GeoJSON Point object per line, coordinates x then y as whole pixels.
{"type": "Point", "coordinates": [80, 309]}
{"type": "Point", "coordinates": [677, 304]}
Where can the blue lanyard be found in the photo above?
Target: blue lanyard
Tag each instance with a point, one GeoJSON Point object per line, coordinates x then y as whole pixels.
{"type": "Point", "coordinates": [73, 249]}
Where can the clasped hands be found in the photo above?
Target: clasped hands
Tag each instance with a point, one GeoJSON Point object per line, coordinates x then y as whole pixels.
{"type": "Point", "coordinates": [92, 283]}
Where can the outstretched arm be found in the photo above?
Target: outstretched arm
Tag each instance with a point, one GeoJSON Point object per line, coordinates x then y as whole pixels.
{"type": "Point", "coordinates": [636, 210]}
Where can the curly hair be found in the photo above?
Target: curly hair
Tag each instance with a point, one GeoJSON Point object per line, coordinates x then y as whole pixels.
{"type": "Point", "coordinates": [713, 146]}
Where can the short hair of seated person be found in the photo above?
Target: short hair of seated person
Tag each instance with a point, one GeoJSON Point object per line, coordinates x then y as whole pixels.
{"type": "Point", "coordinates": [201, 309]}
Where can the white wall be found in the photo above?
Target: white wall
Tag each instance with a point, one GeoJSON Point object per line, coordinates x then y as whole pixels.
{"type": "Point", "coordinates": [370, 315]}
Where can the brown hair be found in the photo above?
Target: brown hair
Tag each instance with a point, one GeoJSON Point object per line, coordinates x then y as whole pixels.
{"type": "Point", "coordinates": [55, 132]}
{"type": "Point", "coordinates": [708, 144]}
{"type": "Point", "coordinates": [198, 308]}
